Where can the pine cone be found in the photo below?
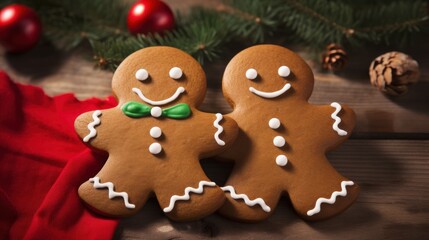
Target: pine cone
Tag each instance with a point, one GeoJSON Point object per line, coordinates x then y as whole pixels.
{"type": "Point", "coordinates": [392, 72]}
{"type": "Point", "coordinates": [334, 58]}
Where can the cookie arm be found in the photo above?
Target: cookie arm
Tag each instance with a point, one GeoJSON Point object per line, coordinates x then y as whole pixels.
{"type": "Point", "coordinates": [226, 132]}
{"type": "Point", "coordinates": [336, 121]}
{"type": "Point", "coordinates": [89, 125]}
{"type": "Point", "coordinates": [220, 135]}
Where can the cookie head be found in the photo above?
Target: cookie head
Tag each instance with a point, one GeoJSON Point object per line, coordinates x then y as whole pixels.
{"type": "Point", "coordinates": [160, 76]}
{"type": "Point", "coordinates": [268, 72]}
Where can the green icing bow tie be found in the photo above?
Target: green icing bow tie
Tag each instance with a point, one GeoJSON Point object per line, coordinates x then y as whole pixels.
{"type": "Point", "coordinates": [138, 110]}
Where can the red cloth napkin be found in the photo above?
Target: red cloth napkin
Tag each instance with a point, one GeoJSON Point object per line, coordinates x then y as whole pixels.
{"type": "Point", "coordinates": [42, 163]}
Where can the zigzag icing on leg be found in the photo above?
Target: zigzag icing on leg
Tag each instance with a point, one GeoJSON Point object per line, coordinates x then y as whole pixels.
{"type": "Point", "coordinates": [331, 200]}
{"type": "Point", "coordinates": [246, 199]}
{"type": "Point", "coordinates": [186, 196]}
{"type": "Point", "coordinates": [112, 193]}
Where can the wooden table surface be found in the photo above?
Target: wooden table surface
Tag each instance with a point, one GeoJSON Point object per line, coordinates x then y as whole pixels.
{"type": "Point", "coordinates": [388, 154]}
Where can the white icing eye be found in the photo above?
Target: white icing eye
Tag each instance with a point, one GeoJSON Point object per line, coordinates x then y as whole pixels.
{"type": "Point", "coordinates": [142, 74]}
{"type": "Point", "coordinates": [283, 71]}
{"type": "Point", "coordinates": [175, 73]}
{"type": "Point", "coordinates": [251, 74]}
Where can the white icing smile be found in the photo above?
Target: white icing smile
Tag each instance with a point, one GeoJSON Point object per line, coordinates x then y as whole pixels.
{"type": "Point", "coordinates": [160, 102]}
{"type": "Point", "coordinates": [270, 94]}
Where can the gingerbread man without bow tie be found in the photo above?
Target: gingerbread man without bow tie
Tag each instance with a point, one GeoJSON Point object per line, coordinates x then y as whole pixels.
{"type": "Point", "coordinates": [282, 142]}
{"type": "Point", "coordinates": [155, 138]}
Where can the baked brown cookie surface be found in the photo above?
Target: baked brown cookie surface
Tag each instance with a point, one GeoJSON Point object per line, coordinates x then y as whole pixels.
{"type": "Point", "coordinates": [282, 142]}
{"type": "Point", "coordinates": [155, 138]}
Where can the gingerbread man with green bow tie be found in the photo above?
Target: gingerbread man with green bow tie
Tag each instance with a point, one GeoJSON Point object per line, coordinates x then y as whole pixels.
{"type": "Point", "coordinates": [155, 138]}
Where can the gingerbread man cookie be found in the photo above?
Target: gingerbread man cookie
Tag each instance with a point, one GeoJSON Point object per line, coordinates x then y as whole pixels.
{"type": "Point", "coordinates": [155, 138]}
{"type": "Point", "coordinates": [281, 145]}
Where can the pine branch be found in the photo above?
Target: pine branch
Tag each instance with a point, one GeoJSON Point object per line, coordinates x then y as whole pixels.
{"type": "Point", "coordinates": [205, 33]}
{"type": "Point", "coordinates": [68, 23]}
{"type": "Point", "coordinates": [109, 53]}
{"type": "Point", "coordinates": [319, 23]}
{"type": "Point", "coordinates": [250, 19]}
{"type": "Point", "coordinates": [202, 34]}
{"type": "Point", "coordinates": [392, 23]}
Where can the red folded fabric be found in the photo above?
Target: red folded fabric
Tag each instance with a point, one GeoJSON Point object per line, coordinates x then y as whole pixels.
{"type": "Point", "coordinates": [42, 163]}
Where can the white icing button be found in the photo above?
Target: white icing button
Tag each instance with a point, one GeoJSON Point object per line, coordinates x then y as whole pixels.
{"type": "Point", "coordinates": [156, 112]}
{"type": "Point", "coordinates": [155, 148]}
{"type": "Point", "coordinates": [251, 74]}
{"type": "Point", "coordinates": [283, 71]}
{"type": "Point", "coordinates": [274, 123]}
{"type": "Point", "coordinates": [155, 132]}
{"type": "Point", "coordinates": [279, 141]}
{"type": "Point", "coordinates": [281, 160]}
{"type": "Point", "coordinates": [142, 74]}
{"type": "Point", "coordinates": [175, 73]}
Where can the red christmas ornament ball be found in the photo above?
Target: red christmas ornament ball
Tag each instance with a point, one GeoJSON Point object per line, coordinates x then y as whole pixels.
{"type": "Point", "coordinates": [20, 28]}
{"type": "Point", "coordinates": [150, 16]}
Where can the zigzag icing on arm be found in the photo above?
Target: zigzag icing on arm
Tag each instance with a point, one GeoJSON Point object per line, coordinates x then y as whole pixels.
{"type": "Point", "coordinates": [219, 141]}
{"type": "Point", "coordinates": [186, 196]}
{"type": "Point", "coordinates": [334, 116]}
{"type": "Point", "coordinates": [331, 200]}
{"type": "Point", "coordinates": [96, 121]}
{"type": "Point", "coordinates": [112, 193]}
{"type": "Point", "coordinates": [246, 199]}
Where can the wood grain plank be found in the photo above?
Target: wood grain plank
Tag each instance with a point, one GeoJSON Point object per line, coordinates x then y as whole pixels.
{"type": "Point", "coordinates": [361, 221]}
{"type": "Point", "coordinates": [394, 202]}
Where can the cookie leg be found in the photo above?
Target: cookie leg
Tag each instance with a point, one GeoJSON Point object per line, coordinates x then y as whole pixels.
{"type": "Point", "coordinates": [110, 193]}
{"type": "Point", "coordinates": [322, 194]}
{"type": "Point", "coordinates": [249, 203]}
{"type": "Point", "coordinates": [189, 198]}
